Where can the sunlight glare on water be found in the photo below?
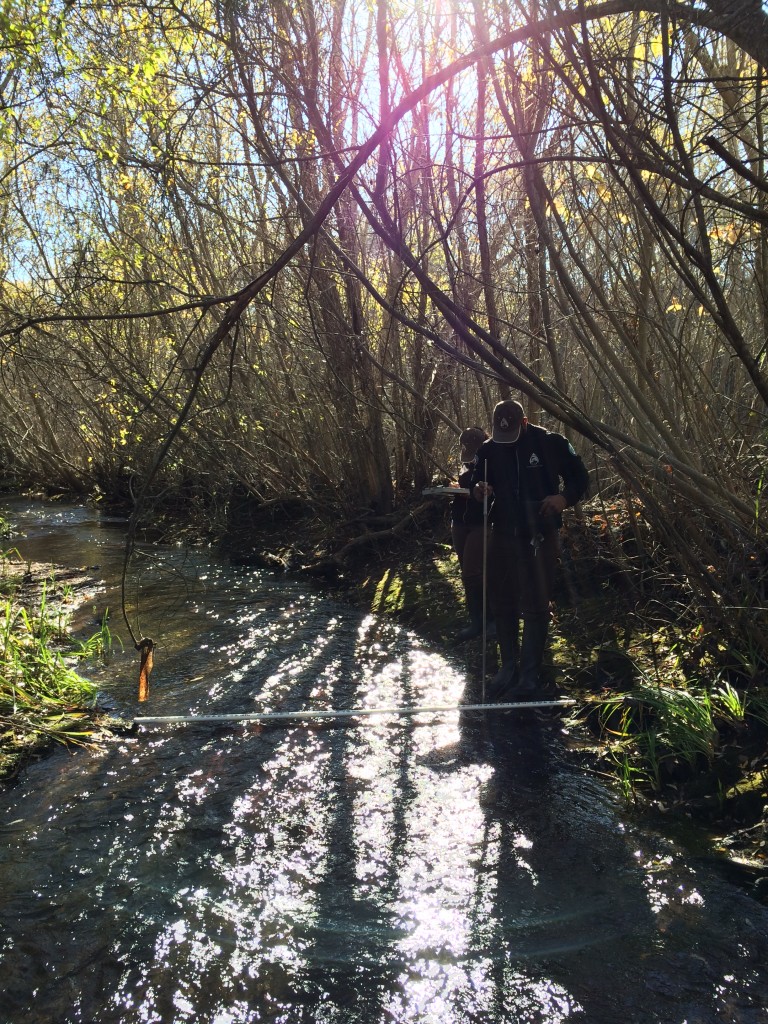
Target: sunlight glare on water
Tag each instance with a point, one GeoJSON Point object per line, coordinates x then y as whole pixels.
{"type": "Point", "coordinates": [341, 844]}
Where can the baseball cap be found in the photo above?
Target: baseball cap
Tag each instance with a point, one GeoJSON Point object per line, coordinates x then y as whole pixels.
{"type": "Point", "coordinates": [470, 440]}
{"type": "Point", "coordinates": [508, 418]}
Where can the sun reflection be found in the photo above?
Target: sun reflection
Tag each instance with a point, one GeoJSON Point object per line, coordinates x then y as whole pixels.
{"type": "Point", "coordinates": [694, 898]}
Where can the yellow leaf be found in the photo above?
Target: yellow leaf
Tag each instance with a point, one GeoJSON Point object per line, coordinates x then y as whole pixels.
{"type": "Point", "coordinates": [561, 208]}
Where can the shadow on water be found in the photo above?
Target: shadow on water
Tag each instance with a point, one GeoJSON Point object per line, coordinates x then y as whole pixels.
{"type": "Point", "coordinates": [435, 869]}
{"type": "Point", "coordinates": [553, 917]}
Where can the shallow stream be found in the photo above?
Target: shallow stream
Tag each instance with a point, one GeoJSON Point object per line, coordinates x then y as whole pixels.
{"type": "Point", "coordinates": [448, 868]}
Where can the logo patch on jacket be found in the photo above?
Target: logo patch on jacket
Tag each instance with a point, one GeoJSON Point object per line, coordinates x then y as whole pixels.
{"type": "Point", "coordinates": [534, 459]}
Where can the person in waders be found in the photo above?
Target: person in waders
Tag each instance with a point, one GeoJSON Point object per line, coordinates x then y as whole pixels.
{"type": "Point", "coordinates": [467, 527]}
{"type": "Point", "coordinates": [529, 475]}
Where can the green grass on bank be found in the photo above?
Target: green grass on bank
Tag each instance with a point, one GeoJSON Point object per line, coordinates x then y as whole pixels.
{"type": "Point", "coordinates": [43, 700]}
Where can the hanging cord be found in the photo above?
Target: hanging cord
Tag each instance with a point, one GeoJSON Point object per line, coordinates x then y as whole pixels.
{"type": "Point", "coordinates": [145, 646]}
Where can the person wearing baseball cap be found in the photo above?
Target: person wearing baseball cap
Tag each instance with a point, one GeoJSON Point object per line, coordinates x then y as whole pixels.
{"type": "Point", "coordinates": [530, 476]}
{"type": "Point", "coordinates": [508, 421]}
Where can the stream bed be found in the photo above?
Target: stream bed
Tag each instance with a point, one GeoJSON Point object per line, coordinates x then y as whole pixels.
{"type": "Point", "coordinates": [440, 868]}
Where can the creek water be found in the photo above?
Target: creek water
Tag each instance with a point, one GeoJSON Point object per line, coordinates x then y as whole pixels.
{"type": "Point", "coordinates": [438, 868]}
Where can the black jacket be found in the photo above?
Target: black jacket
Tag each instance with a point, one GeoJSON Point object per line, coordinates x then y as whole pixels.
{"type": "Point", "coordinates": [524, 473]}
{"type": "Point", "coordinates": [465, 509]}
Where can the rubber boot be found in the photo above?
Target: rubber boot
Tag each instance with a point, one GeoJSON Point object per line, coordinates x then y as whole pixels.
{"type": "Point", "coordinates": [474, 601]}
{"type": "Point", "coordinates": [535, 629]}
{"type": "Point", "coordinates": [507, 631]}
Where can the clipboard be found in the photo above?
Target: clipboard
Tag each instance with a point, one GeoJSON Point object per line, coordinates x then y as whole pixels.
{"type": "Point", "coordinates": [446, 492]}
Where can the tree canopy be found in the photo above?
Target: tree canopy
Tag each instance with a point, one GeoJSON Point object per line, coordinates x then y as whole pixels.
{"type": "Point", "coordinates": [297, 248]}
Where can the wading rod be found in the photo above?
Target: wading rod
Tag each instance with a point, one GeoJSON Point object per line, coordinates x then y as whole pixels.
{"type": "Point", "coordinates": [485, 567]}
{"type": "Point", "coordinates": [287, 716]}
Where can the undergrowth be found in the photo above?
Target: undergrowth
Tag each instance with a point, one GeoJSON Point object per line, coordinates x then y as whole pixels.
{"type": "Point", "coordinates": [43, 700]}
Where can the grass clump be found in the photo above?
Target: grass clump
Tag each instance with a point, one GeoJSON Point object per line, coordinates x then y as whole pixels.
{"type": "Point", "coordinates": [664, 741]}
{"type": "Point", "coordinates": [43, 700]}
